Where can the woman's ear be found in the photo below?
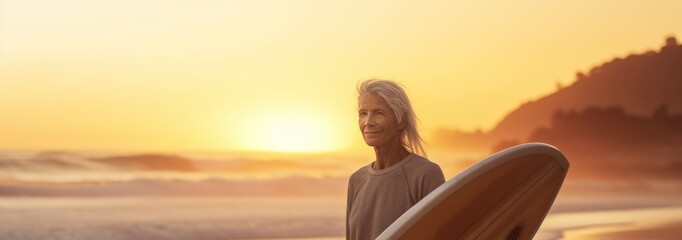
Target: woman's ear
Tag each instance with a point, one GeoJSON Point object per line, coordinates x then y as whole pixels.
{"type": "Point", "coordinates": [401, 125]}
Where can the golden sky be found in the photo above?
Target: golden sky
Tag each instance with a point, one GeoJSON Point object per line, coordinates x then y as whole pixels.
{"type": "Point", "coordinates": [281, 75]}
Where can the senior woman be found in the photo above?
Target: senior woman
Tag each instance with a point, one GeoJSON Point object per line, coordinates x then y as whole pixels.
{"type": "Point", "coordinates": [400, 175]}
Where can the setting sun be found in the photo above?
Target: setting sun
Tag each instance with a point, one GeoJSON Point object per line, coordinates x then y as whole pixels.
{"type": "Point", "coordinates": [287, 132]}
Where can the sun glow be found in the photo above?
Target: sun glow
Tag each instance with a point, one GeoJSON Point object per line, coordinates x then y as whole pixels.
{"type": "Point", "coordinates": [288, 132]}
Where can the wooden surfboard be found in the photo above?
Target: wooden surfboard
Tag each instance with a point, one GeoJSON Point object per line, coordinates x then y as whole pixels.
{"type": "Point", "coordinates": [505, 196]}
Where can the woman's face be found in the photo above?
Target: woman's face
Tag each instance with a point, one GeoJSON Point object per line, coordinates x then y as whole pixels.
{"type": "Point", "coordinates": [377, 121]}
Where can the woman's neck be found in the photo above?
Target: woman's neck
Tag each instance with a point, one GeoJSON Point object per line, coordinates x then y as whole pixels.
{"type": "Point", "coordinates": [389, 155]}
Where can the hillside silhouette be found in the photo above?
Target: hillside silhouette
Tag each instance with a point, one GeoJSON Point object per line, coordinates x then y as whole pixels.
{"type": "Point", "coordinates": [607, 143]}
{"type": "Point", "coordinates": [638, 84]}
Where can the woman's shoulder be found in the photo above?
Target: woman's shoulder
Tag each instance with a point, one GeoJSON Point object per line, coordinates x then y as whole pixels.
{"type": "Point", "coordinates": [359, 174]}
{"type": "Point", "coordinates": [421, 164]}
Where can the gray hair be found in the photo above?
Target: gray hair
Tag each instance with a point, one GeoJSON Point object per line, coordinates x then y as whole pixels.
{"type": "Point", "coordinates": [397, 100]}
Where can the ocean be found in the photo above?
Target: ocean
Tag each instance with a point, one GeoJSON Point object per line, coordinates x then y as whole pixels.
{"type": "Point", "coordinates": [57, 195]}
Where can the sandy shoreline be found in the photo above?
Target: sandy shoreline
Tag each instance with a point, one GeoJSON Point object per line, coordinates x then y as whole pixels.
{"type": "Point", "coordinates": [275, 218]}
{"type": "Point", "coordinates": [632, 223]}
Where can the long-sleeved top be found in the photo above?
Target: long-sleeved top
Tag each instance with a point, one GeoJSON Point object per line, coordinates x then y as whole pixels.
{"type": "Point", "coordinates": [376, 198]}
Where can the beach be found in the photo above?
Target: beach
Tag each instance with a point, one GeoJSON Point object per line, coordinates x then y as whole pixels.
{"type": "Point", "coordinates": [74, 196]}
{"type": "Point", "coordinates": [187, 217]}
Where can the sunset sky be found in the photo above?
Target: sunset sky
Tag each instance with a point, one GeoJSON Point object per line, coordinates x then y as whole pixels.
{"type": "Point", "coordinates": [258, 75]}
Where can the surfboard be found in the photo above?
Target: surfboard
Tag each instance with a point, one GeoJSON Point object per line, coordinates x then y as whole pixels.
{"type": "Point", "coordinates": [504, 196]}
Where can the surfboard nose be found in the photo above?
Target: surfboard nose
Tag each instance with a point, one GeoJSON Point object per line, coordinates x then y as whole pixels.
{"type": "Point", "coordinates": [534, 148]}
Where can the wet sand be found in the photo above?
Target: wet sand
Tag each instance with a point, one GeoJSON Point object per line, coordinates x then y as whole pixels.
{"type": "Point", "coordinates": [276, 218]}
{"type": "Point", "coordinates": [634, 223]}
